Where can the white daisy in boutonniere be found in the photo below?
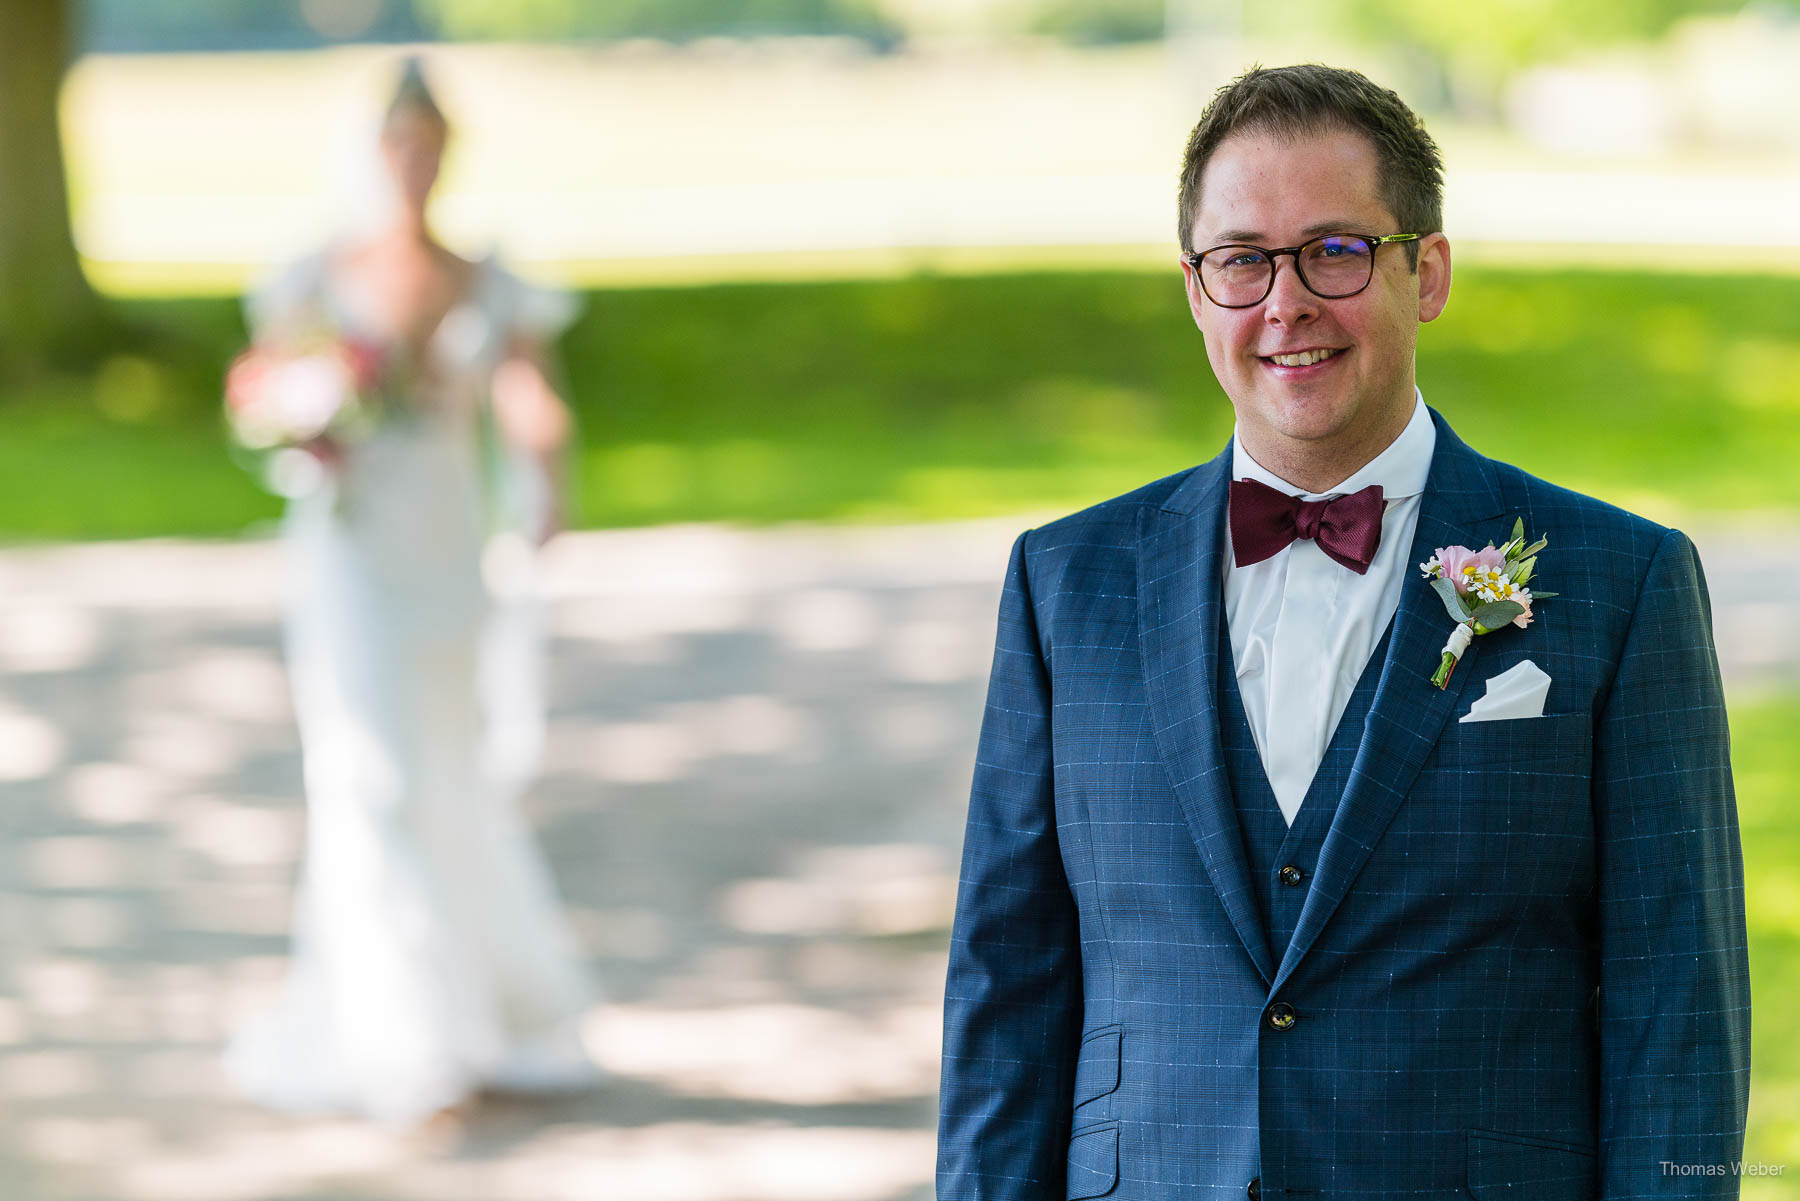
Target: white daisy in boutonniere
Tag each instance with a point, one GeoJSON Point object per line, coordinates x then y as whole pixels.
{"type": "Point", "coordinates": [1483, 590]}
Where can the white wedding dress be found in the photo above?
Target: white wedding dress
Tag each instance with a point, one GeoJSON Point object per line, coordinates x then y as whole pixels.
{"type": "Point", "coordinates": [429, 953]}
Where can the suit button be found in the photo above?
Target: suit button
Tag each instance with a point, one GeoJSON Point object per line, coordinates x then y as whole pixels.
{"type": "Point", "coordinates": [1280, 1016]}
{"type": "Point", "coordinates": [1291, 875]}
{"type": "Point", "coordinates": [1254, 1189]}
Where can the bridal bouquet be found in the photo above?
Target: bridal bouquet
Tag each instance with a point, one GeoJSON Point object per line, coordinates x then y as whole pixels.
{"type": "Point", "coordinates": [295, 409]}
{"type": "Point", "coordinates": [1483, 590]}
{"type": "Point", "coordinates": [274, 399]}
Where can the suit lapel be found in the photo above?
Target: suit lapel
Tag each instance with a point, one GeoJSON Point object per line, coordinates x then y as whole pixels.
{"type": "Point", "coordinates": [1462, 505]}
{"type": "Point", "coordinates": [1180, 606]}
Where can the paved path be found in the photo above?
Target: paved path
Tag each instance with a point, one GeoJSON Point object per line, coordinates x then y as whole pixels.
{"type": "Point", "coordinates": [759, 759]}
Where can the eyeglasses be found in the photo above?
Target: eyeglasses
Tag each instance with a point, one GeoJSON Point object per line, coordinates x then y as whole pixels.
{"type": "Point", "coordinates": [1238, 276]}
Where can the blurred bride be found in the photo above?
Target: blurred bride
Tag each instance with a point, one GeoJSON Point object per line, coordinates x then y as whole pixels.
{"type": "Point", "coordinates": [429, 955]}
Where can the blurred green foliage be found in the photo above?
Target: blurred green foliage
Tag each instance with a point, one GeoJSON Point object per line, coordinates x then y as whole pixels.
{"type": "Point", "coordinates": [149, 25]}
{"type": "Point", "coordinates": [1101, 22]}
{"type": "Point", "coordinates": [956, 396]}
{"type": "Point", "coordinates": [115, 26]}
{"type": "Point", "coordinates": [1493, 38]}
{"type": "Point", "coordinates": [675, 20]}
{"type": "Point", "coordinates": [1498, 35]}
{"type": "Point", "coordinates": [1765, 763]}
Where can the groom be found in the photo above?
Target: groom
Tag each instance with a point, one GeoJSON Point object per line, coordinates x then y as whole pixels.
{"type": "Point", "coordinates": [1249, 907]}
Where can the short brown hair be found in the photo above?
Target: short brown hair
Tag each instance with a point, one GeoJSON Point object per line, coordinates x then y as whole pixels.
{"type": "Point", "coordinates": [1294, 101]}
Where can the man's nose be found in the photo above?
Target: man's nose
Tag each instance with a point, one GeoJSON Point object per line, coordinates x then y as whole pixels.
{"type": "Point", "coordinates": [1289, 302]}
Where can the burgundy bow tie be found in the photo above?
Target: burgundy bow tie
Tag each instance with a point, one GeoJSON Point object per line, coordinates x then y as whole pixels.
{"type": "Point", "coordinates": [1263, 520]}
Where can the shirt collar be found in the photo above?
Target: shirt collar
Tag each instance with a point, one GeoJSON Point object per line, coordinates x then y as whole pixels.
{"type": "Point", "coordinates": [1401, 469]}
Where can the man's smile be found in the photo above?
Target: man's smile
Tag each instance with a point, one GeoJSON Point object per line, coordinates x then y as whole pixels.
{"type": "Point", "coordinates": [1292, 361]}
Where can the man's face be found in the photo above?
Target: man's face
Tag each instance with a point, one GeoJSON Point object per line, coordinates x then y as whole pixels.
{"type": "Point", "coordinates": [1269, 191]}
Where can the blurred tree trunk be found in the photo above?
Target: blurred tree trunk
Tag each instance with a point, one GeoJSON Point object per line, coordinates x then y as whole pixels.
{"type": "Point", "coordinates": [47, 309]}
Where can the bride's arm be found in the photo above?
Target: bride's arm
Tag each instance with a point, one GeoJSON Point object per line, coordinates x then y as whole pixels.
{"type": "Point", "coordinates": [532, 417]}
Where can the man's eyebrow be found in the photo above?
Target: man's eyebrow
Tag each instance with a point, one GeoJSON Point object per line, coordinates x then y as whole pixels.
{"type": "Point", "coordinates": [1312, 231]}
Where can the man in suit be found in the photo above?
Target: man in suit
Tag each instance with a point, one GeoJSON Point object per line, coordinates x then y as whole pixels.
{"type": "Point", "coordinates": [1247, 909]}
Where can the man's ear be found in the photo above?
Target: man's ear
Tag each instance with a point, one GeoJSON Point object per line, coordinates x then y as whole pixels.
{"type": "Point", "coordinates": [1434, 276]}
{"type": "Point", "coordinates": [1196, 298]}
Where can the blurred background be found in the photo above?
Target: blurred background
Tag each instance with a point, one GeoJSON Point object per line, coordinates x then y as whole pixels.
{"type": "Point", "coordinates": [870, 286]}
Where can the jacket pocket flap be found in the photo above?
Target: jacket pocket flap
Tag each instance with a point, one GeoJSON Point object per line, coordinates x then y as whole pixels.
{"type": "Point", "coordinates": [1093, 1161]}
{"type": "Point", "coordinates": [1097, 1068]}
{"type": "Point", "coordinates": [1555, 744]}
{"type": "Point", "coordinates": [1529, 1168]}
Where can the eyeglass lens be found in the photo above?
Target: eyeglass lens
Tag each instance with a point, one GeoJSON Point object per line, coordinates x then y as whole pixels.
{"type": "Point", "coordinates": [1339, 265]}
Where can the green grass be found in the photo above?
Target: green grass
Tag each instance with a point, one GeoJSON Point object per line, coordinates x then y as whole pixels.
{"type": "Point", "coordinates": [1766, 763]}
{"type": "Point", "coordinates": [950, 396]}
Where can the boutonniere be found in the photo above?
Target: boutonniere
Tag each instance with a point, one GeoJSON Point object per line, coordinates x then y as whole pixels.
{"type": "Point", "coordinates": [1483, 590]}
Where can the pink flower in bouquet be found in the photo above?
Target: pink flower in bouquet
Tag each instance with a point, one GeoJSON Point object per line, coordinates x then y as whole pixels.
{"type": "Point", "coordinates": [286, 400]}
{"type": "Point", "coordinates": [1461, 564]}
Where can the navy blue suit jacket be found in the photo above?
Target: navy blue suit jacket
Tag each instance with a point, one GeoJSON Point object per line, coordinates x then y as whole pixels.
{"type": "Point", "coordinates": [1521, 967]}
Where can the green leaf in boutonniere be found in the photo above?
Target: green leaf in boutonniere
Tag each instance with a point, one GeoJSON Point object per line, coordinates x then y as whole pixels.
{"type": "Point", "coordinates": [1454, 603]}
{"type": "Point", "coordinates": [1495, 614]}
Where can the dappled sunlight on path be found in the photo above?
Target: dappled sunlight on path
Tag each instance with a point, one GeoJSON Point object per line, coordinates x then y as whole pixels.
{"type": "Point", "coordinates": [752, 796]}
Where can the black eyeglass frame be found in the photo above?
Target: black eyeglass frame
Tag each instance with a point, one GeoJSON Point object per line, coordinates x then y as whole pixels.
{"type": "Point", "coordinates": [1376, 242]}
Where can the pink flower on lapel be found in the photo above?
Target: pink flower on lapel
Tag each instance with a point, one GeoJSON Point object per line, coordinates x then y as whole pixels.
{"type": "Point", "coordinates": [1459, 562]}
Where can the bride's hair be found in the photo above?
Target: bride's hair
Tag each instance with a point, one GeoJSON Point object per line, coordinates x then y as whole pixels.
{"type": "Point", "coordinates": [412, 95]}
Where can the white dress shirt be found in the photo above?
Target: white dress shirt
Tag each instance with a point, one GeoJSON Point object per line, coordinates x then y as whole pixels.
{"type": "Point", "coordinates": [1303, 626]}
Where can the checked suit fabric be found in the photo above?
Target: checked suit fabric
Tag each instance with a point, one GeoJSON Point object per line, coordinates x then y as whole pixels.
{"type": "Point", "coordinates": [1270, 844]}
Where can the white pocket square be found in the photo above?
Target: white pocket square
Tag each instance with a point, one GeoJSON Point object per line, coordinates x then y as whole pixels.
{"type": "Point", "coordinates": [1518, 691]}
